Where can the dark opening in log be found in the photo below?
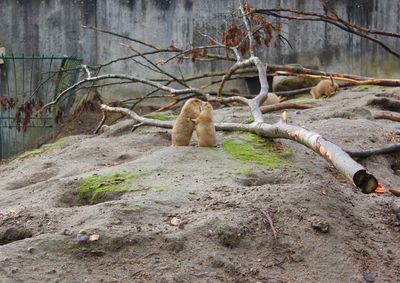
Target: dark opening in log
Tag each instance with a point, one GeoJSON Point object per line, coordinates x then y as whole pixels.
{"type": "Point", "coordinates": [365, 181]}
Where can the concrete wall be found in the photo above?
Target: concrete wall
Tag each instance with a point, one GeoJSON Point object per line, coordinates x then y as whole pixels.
{"type": "Point", "coordinates": [53, 27]}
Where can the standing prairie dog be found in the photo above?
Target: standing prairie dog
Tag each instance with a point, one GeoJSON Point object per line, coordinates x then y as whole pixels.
{"type": "Point", "coordinates": [324, 88]}
{"type": "Point", "coordinates": [205, 129]}
{"type": "Point", "coordinates": [183, 127]}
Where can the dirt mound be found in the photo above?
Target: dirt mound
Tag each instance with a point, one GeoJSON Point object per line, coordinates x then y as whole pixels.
{"type": "Point", "coordinates": [192, 214]}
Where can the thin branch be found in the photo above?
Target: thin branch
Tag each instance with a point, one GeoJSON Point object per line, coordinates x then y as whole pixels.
{"type": "Point", "coordinates": [324, 18]}
{"type": "Point", "coordinates": [268, 220]}
{"type": "Point", "coordinates": [383, 150]}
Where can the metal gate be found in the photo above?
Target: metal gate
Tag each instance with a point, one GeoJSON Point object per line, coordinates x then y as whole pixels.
{"type": "Point", "coordinates": [26, 84]}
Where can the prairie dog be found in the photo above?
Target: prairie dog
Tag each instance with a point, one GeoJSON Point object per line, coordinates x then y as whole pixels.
{"type": "Point", "coordinates": [183, 127]}
{"type": "Point", "coordinates": [273, 99]}
{"type": "Point", "coordinates": [324, 88]}
{"type": "Point", "coordinates": [205, 129]}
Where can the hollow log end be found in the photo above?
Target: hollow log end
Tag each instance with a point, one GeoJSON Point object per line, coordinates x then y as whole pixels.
{"type": "Point", "coordinates": [365, 181]}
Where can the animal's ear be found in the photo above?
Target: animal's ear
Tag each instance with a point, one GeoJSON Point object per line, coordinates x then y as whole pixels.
{"type": "Point", "coordinates": [333, 84]}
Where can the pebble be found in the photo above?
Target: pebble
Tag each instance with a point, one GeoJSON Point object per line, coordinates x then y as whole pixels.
{"type": "Point", "coordinates": [31, 250]}
{"type": "Point", "coordinates": [94, 238]}
{"type": "Point", "coordinates": [368, 277]}
{"type": "Point", "coordinates": [176, 221]}
{"type": "Point", "coordinates": [320, 225]}
{"type": "Point", "coordinates": [395, 206]}
{"type": "Point", "coordinates": [82, 237]}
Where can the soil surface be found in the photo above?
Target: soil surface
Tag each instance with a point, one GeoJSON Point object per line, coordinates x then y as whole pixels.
{"type": "Point", "coordinates": [326, 229]}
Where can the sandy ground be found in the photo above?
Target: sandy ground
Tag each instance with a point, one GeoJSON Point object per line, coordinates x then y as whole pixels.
{"type": "Point", "coordinates": [223, 237]}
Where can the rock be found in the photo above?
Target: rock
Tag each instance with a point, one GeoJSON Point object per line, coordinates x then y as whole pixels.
{"type": "Point", "coordinates": [395, 192]}
{"type": "Point", "coordinates": [285, 83]}
{"type": "Point", "coordinates": [82, 236]}
{"type": "Point", "coordinates": [395, 206]}
{"type": "Point", "coordinates": [175, 221]}
{"type": "Point", "coordinates": [320, 225]}
{"type": "Point", "coordinates": [66, 232]}
{"type": "Point", "coordinates": [368, 277]}
{"type": "Point", "coordinates": [31, 250]}
{"type": "Point", "coordinates": [94, 238]}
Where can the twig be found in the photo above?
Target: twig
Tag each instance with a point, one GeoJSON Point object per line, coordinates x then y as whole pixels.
{"type": "Point", "coordinates": [383, 150]}
{"type": "Point", "coordinates": [103, 119]}
{"type": "Point", "coordinates": [268, 220]}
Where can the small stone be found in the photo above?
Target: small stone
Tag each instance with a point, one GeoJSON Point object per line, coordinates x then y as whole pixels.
{"type": "Point", "coordinates": [320, 225]}
{"type": "Point", "coordinates": [14, 270]}
{"type": "Point", "coordinates": [175, 221]}
{"type": "Point", "coordinates": [395, 192]}
{"type": "Point", "coordinates": [395, 206]}
{"type": "Point", "coordinates": [82, 238]}
{"type": "Point", "coordinates": [82, 231]}
{"type": "Point", "coordinates": [368, 277]}
{"type": "Point", "coordinates": [31, 250]}
{"type": "Point", "coordinates": [66, 232]}
{"type": "Point", "coordinates": [94, 238]}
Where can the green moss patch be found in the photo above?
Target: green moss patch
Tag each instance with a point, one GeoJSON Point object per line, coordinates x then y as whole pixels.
{"type": "Point", "coordinates": [251, 148]}
{"type": "Point", "coordinates": [96, 189]}
{"type": "Point", "coordinates": [44, 148]}
{"type": "Point", "coordinates": [161, 117]}
{"type": "Point", "coordinates": [369, 87]}
{"type": "Point", "coordinates": [303, 99]}
{"type": "Point", "coordinates": [248, 121]}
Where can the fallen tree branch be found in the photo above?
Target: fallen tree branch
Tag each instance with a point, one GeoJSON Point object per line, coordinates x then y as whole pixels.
{"type": "Point", "coordinates": [331, 152]}
{"type": "Point", "coordinates": [367, 153]}
{"type": "Point", "coordinates": [284, 105]}
{"type": "Point", "coordinates": [386, 115]}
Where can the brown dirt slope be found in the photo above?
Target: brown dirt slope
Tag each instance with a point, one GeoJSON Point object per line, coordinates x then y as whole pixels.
{"type": "Point", "coordinates": [223, 237]}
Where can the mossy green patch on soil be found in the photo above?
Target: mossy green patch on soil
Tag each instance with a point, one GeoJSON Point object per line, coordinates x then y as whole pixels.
{"type": "Point", "coordinates": [251, 148]}
{"type": "Point", "coordinates": [97, 188]}
{"type": "Point", "coordinates": [159, 187]}
{"type": "Point", "coordinates": [248, 121]}
{"type": "Point", "coordinates": [44, 148]}
{"type": "Point", "coordinates": [161, 117]}
{"type": "Point", "coordinates": [132, 207]}
{"type": "Point", "coordinates": [303, 99]}
{"type": "Point", "coordinates": [369, 87]}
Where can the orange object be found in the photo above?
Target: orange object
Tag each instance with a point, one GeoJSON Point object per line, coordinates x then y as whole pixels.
{"type": "Point", "coordinates": [379, 189]}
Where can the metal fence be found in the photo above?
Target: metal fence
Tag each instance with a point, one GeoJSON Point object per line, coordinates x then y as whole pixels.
{"type": "Point", "coordinates": [26, 84]}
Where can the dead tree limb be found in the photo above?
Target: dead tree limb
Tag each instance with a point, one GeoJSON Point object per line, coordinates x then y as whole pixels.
{"type": "Point", "coordinates": [387, 115]}
{"type": "Point", "coordinates": [284, 105]}
{"type": "Point", "coordinates": [367, 153]}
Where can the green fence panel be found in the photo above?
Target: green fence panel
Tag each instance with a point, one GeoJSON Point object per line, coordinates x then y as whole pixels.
{"type": "Point", "coordinates": [26, 84]}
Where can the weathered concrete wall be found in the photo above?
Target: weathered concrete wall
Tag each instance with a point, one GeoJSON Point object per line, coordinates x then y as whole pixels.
{"type": "Point", "coordinates": [53, 27]}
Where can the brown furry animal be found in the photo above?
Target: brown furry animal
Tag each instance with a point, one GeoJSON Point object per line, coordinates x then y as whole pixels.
{"type": "Point", "coordinates": [273, 99]}
{"type": "Point", "coordinates": [205, 129]}
{"type": "Point", "coordinates": [324, 88]}
{"type": "Point", "coordinates": [183, 127]}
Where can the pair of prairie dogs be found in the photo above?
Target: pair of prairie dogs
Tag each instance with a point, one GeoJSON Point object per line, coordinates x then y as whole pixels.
{"type": "Point", "coordinates": [195, 115]}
